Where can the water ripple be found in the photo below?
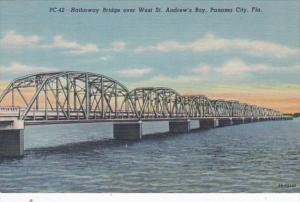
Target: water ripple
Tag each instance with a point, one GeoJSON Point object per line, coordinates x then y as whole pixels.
{"type": "Point", "coordinates": [244, 158]}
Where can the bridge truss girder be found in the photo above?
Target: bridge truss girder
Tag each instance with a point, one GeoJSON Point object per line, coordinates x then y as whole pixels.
{"type": "Point", "coordinates": [221, 107]}
{"type": "Point", "coordinates": [198, 106]}
{"type": "Point", "coordinates": [158, 102]}
{"type": "Point", "coordinates": [70, 95]}
{"type": "Point", "coordinates": [82, 95]}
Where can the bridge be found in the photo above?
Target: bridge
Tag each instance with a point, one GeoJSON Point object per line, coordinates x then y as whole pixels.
{"type": "Point", "coordinates": [78, 97]}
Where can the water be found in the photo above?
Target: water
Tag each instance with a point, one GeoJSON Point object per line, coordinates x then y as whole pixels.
{"type": "Point", "coordinates": [253, 157]}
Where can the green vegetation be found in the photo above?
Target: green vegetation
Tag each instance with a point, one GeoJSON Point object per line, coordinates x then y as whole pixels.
{"type": "Point", "coordinates": [297, 114]}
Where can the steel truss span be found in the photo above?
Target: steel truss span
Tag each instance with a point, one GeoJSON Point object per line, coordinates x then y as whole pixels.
{"type": "Point", "coordinates": [69, 96]}
{"type": "Point", "coordinates": [74, 95]}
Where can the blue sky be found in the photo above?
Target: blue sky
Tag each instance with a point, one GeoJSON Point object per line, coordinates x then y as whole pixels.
{"type": "Point", "coordinates": [190, 52]}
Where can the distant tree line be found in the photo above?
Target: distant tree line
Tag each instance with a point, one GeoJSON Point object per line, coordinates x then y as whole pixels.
{"type": "Point", "coordinates": [297, 114]}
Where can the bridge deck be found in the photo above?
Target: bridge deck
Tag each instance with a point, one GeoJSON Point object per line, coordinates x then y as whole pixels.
{"type": "Point", "coordinates": [48, 122]}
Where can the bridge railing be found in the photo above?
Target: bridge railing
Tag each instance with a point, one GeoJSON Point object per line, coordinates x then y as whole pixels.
{"type": "Point", "coordinates": [48, 114]}
{"type": "Point", "coordinates": [9, 111]}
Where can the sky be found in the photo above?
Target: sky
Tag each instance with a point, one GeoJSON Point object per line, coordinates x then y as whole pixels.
{"type": "Point", "coordinates": [253, 57]}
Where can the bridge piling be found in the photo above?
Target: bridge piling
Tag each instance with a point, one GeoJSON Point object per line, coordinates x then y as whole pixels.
{"type": "Point", "coordinates": [262, 119]}
{"type": "Point", "coordinates": [225, 122]}
{"type": "Point", "coordinates": [128, 130]}
{"type": "Point", "coordinates": [206, 123]}
{"type": "Point", "coordinates": [238, 120]}
{"type": "Point", "coordinates": [180, 126]}
{"type": "Point", "coordinates": [247, 120]}
{"type": "Point", "coordinates": [11, 138]}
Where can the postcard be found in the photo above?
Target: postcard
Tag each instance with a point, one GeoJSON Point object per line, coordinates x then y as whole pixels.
{"type": "Point", "coordinates": [149, 97]}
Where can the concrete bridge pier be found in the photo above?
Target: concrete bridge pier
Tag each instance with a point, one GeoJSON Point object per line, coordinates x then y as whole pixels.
{"type": "Point", "coordinates": [11, 138]}
{"type": "Point", "coordinates": [206, 123]}
{"type": "Point", "coordinates": [225, 122]}
{"type": "Point", "coordinates": [180, 126]}
{"type": "Point", "coordinates": [247, 120]}
{"type": "Point", "coordinates": [238, 120]}
{"type": "Point", "coordinates": [262, 118]}
{"type": "Point", "coordinates": [128, 130]}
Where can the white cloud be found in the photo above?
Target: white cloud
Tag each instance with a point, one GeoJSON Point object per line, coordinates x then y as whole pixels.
{"type": "Point", "coordinates": [211, 42]}
{"type": "Point", "coordinates": [14, 39]}
{"type": "Point", "coordinates": [97, 59]}
{"type": "Point", "coordinates": [165, 46]}
{"type": "Point", "coordinates": [74, 47]}
{"type": "Point", "coordinates": [203, 68]}
{"type": "Point", "coordinates": [16, 67]}
{"type": "Point", "coordinates": [105, 58]}
{"type": "Point", "coordinates": [134, 72]}
{"type": "Point", "coordinates": [238, 66]}
{"type": "Point", "coordinates": [177, 79]}
{"type": "Point", "coordinates": [118, 46]}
